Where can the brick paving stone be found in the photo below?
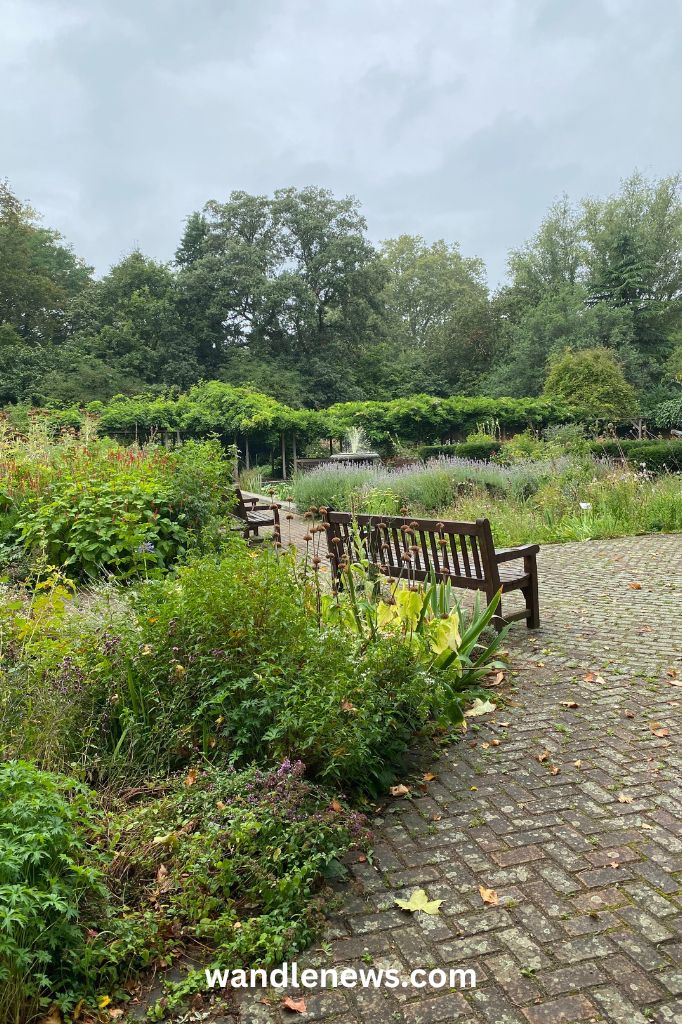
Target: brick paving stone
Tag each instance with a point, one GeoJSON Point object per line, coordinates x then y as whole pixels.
{"type": "Point", "coordinates": [639, 986]}
{"type": "Point", "coordinates": [569, 979]}
{"type": "Point", "coordinates": [561, 1011]}
{"type": "Point", "coordinates": [434, 1011]}
{"type": "Point", "coordinates": [573, 938]}
{"type": "Point", "coordinates": [619, 1009]}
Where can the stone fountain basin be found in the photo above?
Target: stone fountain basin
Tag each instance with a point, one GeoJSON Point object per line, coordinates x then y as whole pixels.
{"type": "Point", "coordinates": [357, 457]}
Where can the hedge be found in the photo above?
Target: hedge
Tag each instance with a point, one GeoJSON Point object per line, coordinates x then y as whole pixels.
{"type": "Point", "coordinates": [482, 451]}
{"type": "Point", "coordinates": [657, 456]}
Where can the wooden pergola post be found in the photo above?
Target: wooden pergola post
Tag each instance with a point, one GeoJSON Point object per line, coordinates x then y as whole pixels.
{"type": "Point", "coordinates": [247, 456]}
{"type": "Point", "coordinates": [294, 452]}
{"type": "Point", "coordinates": [284, 455]}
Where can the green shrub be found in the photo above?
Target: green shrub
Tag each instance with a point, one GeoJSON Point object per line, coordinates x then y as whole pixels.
{"type": "Point", "coordinates": [668, 414]}
{"type": "Point", "coordinates": [119, 527]}
{"type": "Point", "coordinates": [480, 450]}
{"type": "Point", "coordinates": [51, 891]}
{"type": "Point", "coordinates": [229, 663]}
{"type": "Point", "coordinates": [654, 456]}
{"type": "Point", "coordinates": [225, 660]}
{"type": "Point", "coordinates": [96, 507]}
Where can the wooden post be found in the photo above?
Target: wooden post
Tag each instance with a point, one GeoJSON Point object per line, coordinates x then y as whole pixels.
{"type": "Point", "coordinates": [247, 457]}
{"type": "Point", "coordinates": [331, 445]}
{"type": "Point", "coordinates": [284, 456]}
{"type": "Point", "coordinates": [294, 452]}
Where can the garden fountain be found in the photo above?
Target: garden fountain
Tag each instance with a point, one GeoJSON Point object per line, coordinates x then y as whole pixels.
{"type": "Point", "coordinates": [358, 453]}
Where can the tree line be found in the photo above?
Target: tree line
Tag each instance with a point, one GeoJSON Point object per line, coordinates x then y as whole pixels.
{"type": "Point", "coordinates": [286, 294]}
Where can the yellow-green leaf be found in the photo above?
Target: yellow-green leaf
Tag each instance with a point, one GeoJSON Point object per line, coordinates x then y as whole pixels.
{"type": "Point", "coordinates": [419, 901]}
{"type": "Point", "coordinates": [445, 635]}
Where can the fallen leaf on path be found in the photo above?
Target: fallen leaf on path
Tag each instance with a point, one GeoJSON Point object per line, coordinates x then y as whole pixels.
{"type": "Point", "coordinates": [635, 586]}
{"type": "Point", "coordinates": [419, 901]}
{"type": "Point", "coordinates": [543, 756]}
{"type": "Point", "coordinates": [623, 798]}
{"type": "Point", "coordinates": [399, 790]}
{"type": "Point", "coordinates": [569, 704]}
{"type": "Point", "coordinates": [592, 677]}
{"type": "Point", "coordinates": [555, 770]}
{"type": "Point", "coordinates": [489, 896]}
{"type": "Point", "coordinates": [295, 1005]}
{"type": "Point", "coordinates": [577, 764]}
{"type": "Point", "coordinates": [629, 714]}
{"type": "Point", "coordinates": [428, 777]}
{"type": "Point", "coordinates": [659, 730]}
{"type": "Point", "coordinates": [480, 707]}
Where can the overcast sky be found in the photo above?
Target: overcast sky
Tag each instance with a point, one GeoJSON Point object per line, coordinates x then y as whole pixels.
{"type": "Point", "coordinates": [455, 119]}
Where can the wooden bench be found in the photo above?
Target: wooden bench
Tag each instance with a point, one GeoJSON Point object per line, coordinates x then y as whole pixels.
{"type": "Point", "coordinates": [416, 549]}
{"type": "Point", "coordinates": [256, 513]}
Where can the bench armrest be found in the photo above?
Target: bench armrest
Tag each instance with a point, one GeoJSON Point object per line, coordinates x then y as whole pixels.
{"type": "Point", "coordinates": [508, 554]}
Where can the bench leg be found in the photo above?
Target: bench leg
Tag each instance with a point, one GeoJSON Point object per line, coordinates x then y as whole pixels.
{"type": "Point", "coordinates": [531, 593]}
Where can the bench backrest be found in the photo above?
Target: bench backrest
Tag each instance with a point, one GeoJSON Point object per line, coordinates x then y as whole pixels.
{"type": "Point", "coordinates": [461, 552]}
{"type": "Point", "coordinates": [240, 508]}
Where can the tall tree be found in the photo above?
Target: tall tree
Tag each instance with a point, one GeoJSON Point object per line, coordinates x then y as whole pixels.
{"type": "Point", "coordinates": [39, 276]}
{"type": "Point", "coordinates": [127, 331]}
{"type": "Point", "coordinates": [292, 280]}
{"type": "Point", "coordinates": [436, 311]}
{"type": "Point", "coordinates": [634, 262]}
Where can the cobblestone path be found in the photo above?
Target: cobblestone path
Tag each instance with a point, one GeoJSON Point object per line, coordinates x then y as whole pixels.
{"type": "Point", "coordinates": [572, 814]}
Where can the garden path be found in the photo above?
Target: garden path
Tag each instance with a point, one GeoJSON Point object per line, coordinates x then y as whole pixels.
{"type": "Point", "coordinates": [574, 818]}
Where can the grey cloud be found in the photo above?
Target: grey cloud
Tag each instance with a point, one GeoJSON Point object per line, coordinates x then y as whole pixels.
{"type": "Point", "coordinates": [445, 118]}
